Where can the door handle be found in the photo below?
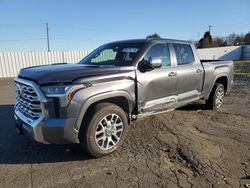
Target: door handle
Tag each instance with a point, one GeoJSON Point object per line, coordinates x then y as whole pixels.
{"type": "Point", "coordinates": [199, 71]}
{"type": "Point", "coordinates": [172, 74]}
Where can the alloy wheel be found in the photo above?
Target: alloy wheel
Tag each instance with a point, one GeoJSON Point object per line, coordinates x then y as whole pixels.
{"type": "Point", "coordinates": [109, 132]}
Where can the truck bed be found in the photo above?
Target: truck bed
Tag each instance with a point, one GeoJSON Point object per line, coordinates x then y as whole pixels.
{"type": "Point", "coordinates": [213, 70]}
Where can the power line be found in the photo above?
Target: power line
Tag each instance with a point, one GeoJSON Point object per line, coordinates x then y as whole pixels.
{"type": "Point", "coordinates": [50, 39]}
{"type": "Point", "coordinates": [20, 40]}
{"type": "Point", "coordinates": [19, 25]}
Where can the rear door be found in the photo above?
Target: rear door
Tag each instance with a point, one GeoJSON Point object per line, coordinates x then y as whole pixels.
{"type": "Point", "coordinates": [189, 73]}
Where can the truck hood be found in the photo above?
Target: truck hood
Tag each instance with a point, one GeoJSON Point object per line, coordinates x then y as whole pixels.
{"type": "Point", "coordinates": [64, 73]}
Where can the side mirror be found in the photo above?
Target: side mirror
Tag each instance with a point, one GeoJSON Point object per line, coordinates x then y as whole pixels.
{"type": "Point", "coordinates": [155, 62]}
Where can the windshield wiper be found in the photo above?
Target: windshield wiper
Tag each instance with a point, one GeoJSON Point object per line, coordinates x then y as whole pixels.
{"type": "Point", "coordinates": [59, 63]}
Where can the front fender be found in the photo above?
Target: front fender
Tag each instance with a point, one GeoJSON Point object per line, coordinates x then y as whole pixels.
{"type": "Point", "coordinates": [99, 97]}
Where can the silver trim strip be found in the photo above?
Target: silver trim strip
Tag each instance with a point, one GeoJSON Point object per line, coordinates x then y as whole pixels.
{"type": "Point", "coordinates": [32, 123]}
{"type": "Point", "coordinates": [41, 97]}
{"type": "Point", "coordinates": [35, 86]}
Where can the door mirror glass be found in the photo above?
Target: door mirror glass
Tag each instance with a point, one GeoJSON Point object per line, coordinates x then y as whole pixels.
{"type": "Point", "coordinates": [151, 64]}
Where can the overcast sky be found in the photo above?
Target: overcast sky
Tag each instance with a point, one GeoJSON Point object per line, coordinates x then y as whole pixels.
{"type": "Point", "coordinates": [78, 24]}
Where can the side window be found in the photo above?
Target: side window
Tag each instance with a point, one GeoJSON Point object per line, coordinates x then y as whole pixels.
{"type": "Point", "coordinates": [161, 51]}
{"type": "Point", "coordinates": [184, 54]}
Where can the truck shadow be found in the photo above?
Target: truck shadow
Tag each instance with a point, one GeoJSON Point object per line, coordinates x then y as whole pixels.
{"type": "Point", "coordinates": [17, 149]}
{"type": "Point", "coordinates": [194, 107]}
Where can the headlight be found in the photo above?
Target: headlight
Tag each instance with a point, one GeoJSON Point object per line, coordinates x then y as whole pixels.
{"type": "Point", "coordinates": [67, 91]}
{"type": "Point", "coordinates": [56, 90]}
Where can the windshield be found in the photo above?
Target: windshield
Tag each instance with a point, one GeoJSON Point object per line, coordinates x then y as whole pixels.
{"type": "Point", "coordinates": [116, 54]}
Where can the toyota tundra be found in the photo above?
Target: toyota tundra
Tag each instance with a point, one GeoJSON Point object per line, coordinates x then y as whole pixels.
{"type": "Point", "coordinates": [92, 102]}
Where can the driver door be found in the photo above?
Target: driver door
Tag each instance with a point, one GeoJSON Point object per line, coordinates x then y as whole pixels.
{"type": "Point", "coordinates": [157, 88]}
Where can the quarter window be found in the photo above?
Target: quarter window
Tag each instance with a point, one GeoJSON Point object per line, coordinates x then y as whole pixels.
{"type": "Point", "coordinates": [184, 54]}
{"type": "Point", "coordinates": [159, 51]}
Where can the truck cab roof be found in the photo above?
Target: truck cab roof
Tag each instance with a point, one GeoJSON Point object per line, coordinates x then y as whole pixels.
{"type": "Point", "coordinates": [153, 40]}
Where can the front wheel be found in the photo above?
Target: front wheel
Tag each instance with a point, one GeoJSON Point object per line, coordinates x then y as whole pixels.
{"type": "Point", "coordinates": [216, 97]}
{"type": "Point", "coordinates": [104, 129]}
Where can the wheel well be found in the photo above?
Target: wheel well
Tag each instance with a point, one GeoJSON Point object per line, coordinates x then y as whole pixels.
{"type": "Point", "coordinates": [120, 101]}
{"type": "Point", "coordinates": [222, 80]}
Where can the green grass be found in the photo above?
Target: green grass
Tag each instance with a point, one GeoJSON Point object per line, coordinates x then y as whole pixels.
{"type": "Point", "coordinates": [242, 68]}
{"type": "Point", "coordinates": [239, 71]}
{"type": "Point", "coordinates": [242, 74]}
{"type": "Point", "coordinates": [242, 61]}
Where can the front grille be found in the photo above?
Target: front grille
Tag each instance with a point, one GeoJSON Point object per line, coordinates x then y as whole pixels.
{"type": "Point", "coordinates": [27, 101]}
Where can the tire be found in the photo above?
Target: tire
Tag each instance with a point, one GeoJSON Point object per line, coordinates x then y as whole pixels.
{"type": "Point", "coordinates": [216, 97]}
{"type": "Point", "coordinates": [103, 130]}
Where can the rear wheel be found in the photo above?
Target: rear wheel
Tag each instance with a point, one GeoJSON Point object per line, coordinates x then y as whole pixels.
{"type": "Point", "coordinates": [216, 97]}
{"type": "Point", "coordinates": [104, 129]}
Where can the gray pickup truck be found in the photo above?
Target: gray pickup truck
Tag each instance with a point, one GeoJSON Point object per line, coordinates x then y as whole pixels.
{"type": "Point", "coordinates": [92, 102]}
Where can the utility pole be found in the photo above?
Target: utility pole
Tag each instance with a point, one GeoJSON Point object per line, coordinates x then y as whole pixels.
{"type": "Point", "coordinates": [47, 30]}
{"type": "Point", "coordinates": [209, 28]}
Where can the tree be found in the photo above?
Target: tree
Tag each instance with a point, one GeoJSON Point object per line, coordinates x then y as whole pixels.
{"type": "Point", "coordinates": [239, 40]}
{"type": "Point", "coordinates": [206, 41]}
{"type": "Point", "coordinates": [230, 39]}
{"type": "Point", "coordinates": [217, 42]}
{"type": "Point", "coordinates": [153, 36]}
{"type": "Point", "coordinates": [247, 38]}
{"type": "Point", "coordinates": [224, 43]}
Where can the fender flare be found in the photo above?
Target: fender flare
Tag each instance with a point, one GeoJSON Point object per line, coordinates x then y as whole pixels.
{"type": "Point", "coordinates": [102, 96]}
{"type": "Point", "coordinates": [224, 74]}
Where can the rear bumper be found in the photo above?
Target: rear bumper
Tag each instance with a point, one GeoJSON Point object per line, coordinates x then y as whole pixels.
{"type": "Point", "coordinates": [51, 131]}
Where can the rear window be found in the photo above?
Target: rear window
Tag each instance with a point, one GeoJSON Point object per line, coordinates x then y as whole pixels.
{"type": "Point", "coordinates": [184, 54]}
